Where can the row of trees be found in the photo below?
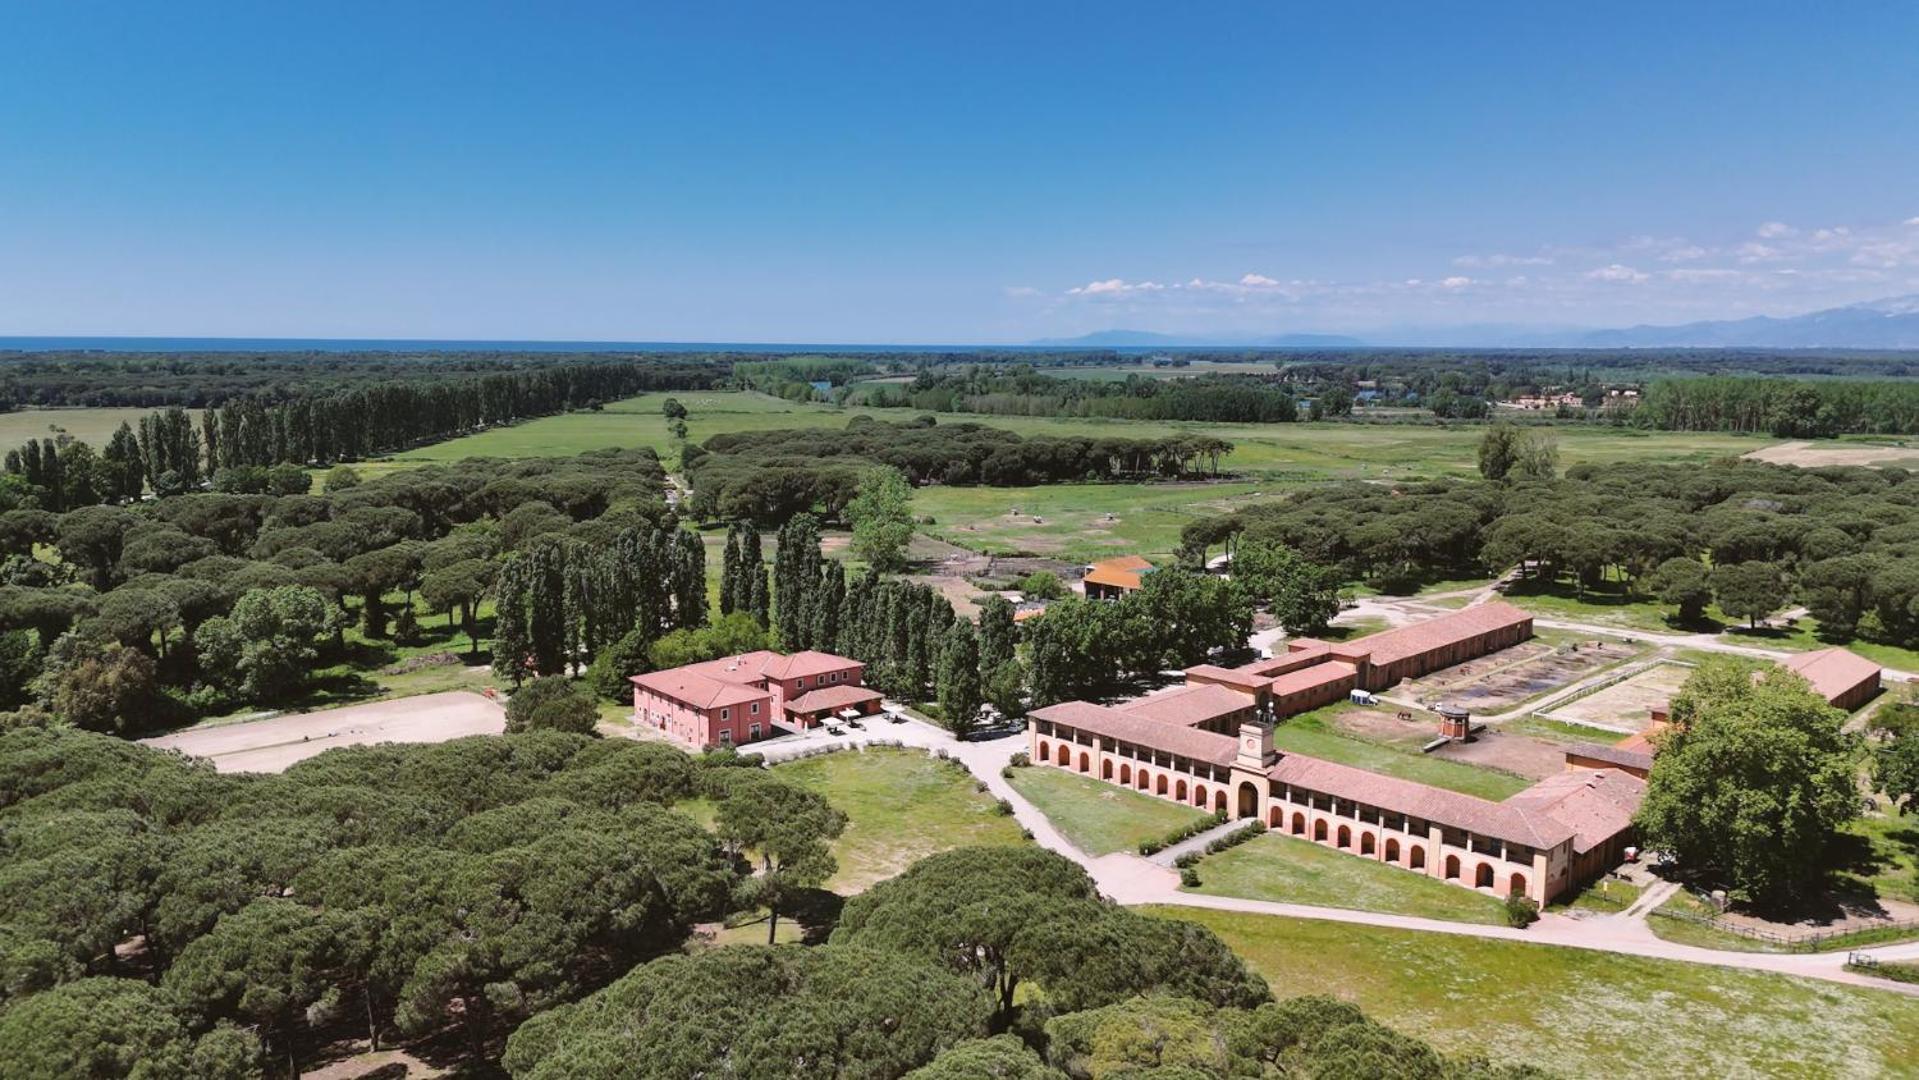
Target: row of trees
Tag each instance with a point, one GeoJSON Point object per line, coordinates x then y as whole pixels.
{"type": "Point", "coordinates": [767, 476]}
{"type": "Point", "coordinates": [1787, 408]}
{"type": "Point", "coordinates": [1021, 391]}
{"type": "Point", "coordinates": [1081, 648]}
{"type": "Point", "coordinates": [561, 603]}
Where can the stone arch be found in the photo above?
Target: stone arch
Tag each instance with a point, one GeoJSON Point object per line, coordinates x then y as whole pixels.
{"type": "Point", "coordinates": [1085, 762]}
{"type": "Point", "coordinates": [1145, 780]}
{"type": "Point", "coordinates": [1452, 868]}
{"type": "Point", "coordinates": [1275, 818]}
{"type": "Point", "coordinates": [1366, 844]}
{"type": "Point", "coordinates": [1179, 791]}
{"type": "Point", "coordinates": [1416, 857]}
{"type": "Point", "coordinates": [1392, 850]}
{"type": "Point", "coordinates": [1045, 752]}
{"type": "Point", "coordinates": [1319, 830]}
{"type": "Point", "coordinates": [1125, 774]}
{"type": "Point", "coordinates": [1248, 799]}
{"type": "Point", "coordinates": [1065, 756]}
{"type": "Point", "coordinates": [1299, 823]}
{"type": "Point", "coordinates": [1161, 788]}
{"type": "Point", "coordinates": [1516, 885]}
{"type": "Point", "coordinates": [1219, 800]}
{"type": "Point", "coordinates": [1345, 838]}
{"type": "Point", "coordinates": [1106, 770]}
{"type": "Point", "coordinates": [1483, 876]}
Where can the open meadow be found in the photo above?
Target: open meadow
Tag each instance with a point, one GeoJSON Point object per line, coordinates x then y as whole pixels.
{"type": "Point", "coordinates": [1577, 1012]}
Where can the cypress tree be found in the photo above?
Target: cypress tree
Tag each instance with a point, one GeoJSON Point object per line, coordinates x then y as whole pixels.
{"type": "Point", "coordinates": [960, 693]}
{"type": "Point", "coordinates": [689, 580]}
{"type": "Point", "coordinates": [996, 633]}
{"type": "Point", "coordinates": [731, 577]}
{"type": "Point", "coordinates": [510, 640]}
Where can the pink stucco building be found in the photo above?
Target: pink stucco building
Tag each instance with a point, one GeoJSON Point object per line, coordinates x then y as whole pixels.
{"type": "Point", "coordinates": [752, 696]}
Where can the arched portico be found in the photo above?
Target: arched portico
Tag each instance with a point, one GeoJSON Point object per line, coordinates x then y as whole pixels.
{"type": "Point", "coordinates": [1248, 799]}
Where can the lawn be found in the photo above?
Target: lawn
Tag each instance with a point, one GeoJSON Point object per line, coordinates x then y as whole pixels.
{"type": "Point", "coordinates": [1290, 870]}
{"type": "Point", "coordinates": [1307, 734]}
{"type": "Point", "coordinates": [901, 806]}
{"type": "Point", "coordinates": [91, 426]}
{"type": "Point", "coordinates": [1606, 604]}
{"type": "Point", "coordinates": [1097, 817]}
{"type": "Point", "coordinates": [1578, 1012]}
{"type": "Point", "coordinates": [1602, 897]}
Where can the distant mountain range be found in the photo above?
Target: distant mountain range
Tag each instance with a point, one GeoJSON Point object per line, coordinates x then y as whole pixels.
{"type": "Point", "coordinates": [1891, 323]}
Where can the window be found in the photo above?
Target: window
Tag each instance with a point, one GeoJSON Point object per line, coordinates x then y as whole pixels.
{"type": "Point", "coordinates": [726, 736]}
{"type": "Point", "coordinates": [836, 676]}
{"type": "Point", "coordinates": [802, 683]}
{"type": "Point", "coordinates": [753, 732]}
{"type": "Point", "coordinates": [726, 714]}
{"type": "Point", "coordinates": [756, 708]}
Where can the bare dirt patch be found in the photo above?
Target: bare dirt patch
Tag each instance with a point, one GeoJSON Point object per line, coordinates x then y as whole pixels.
{"type": "Point", "coordinates": [1812, 455]}
{"type": "Point", "coordinates": [1504, 679]}
{"type": "Point", "coordinates": [271, 745]}
{"type": "Point", "coordinates": [1626, 705]}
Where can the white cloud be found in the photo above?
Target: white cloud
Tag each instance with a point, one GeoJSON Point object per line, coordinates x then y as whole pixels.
{"type": "Point", "coordinates": [1753, 251]}
{"type": "Point", "coordinates": [1457, 281]}
{"type": "Point", "coordinates": [1913, 221]}
{"type": "Point", "coordinates": [1257, 281]}
{"type": "Point", "coordinates": [1684, 253]}
{"type": "Point", "coordinates": [1773, 230]}
{"type": "Point", "coordinates": [1617, 273]}
{"type": "Point", "coordinates": [1115, 287]}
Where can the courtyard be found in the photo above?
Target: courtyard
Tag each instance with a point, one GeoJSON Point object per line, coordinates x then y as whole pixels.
{"type": "Point", "coordinates": [1625, 706]}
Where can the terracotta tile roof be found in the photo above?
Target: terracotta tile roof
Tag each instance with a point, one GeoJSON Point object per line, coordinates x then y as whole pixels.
{"type": "Point", "coordinates": [1230, 676]}
{"type": "Point", "coordinates": [1190, 705]}
{"type": "Point", "coordinates": [689, 687]}
{"type": "Point", "coordinates": [1517, 824]}
{"type": "Point", "coordinates": [1833, 673]}
{"type": "Point", "coordinates": [1596, 804]}
{"type": "Point", "coordinates": [1195, 743]}
{"type": "Point", "coordinates": [1314, 677]}
{"type": "Point", "coordinates": [1392, 646]}
{"type": "Point", "coordinates": [1620, 754]}
{"type": "Point", "coordinates": [832, 697]}
{"type": "Point", "coordinates": [1122, 572]}
{"type": "Point", "coordinates": [807, 663]}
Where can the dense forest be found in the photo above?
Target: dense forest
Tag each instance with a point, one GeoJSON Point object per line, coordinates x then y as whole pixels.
{"type": "Point", "coordinates": [1787, 408]}
{"type": "Point", "coordinates": [122, 618]}
{"type": "Point", "coordinates": [1748, 537]}
{"type": "Point", "coordinates": [1021, 391]}
{"type": "Point", "coordinates": [767, 476]}
{"type": "Point", "coordinates": [168, 922]}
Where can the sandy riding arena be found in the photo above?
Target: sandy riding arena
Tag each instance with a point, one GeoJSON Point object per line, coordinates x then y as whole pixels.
{"type": "Point", "coordinates": [273, 744]}
{"type": "Point", "coordinates": [1812, 455]}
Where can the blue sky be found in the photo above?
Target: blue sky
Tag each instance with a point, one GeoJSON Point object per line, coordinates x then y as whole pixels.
{"type": "Point", "coordinates": [946, 173]}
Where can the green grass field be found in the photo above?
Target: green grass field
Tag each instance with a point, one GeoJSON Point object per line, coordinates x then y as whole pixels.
{"type": "Point", "coordinates": [91, 426]}
{"type": "Point", "coordinates": [1286, 869]}
{"type": "Point", "coordinates": [901, 806]}
{"type": "Point", "coordinates": [1097, 817]}
{"type": "Point", "coordinates": [1576, 1012]}
{"type": "Point", "coordinates": [1308, 734]}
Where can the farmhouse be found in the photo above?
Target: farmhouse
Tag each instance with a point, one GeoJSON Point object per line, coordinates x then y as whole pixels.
{"type": "Point", "coordinates": [740, 699]}
{"type": "Point", "coordinates": [1203, 745]}
{"type": "Point", "coordinates": [1110, 579]}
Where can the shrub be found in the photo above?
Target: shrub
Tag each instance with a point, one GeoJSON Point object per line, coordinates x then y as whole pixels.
{"type": "Point", "coordinates": [1006, 773]}
{"type": "Point", "coordinates": [1020, 760]}
{"type": "Point", "coordinates": [1521, 912]}
{"type": "Point", "coordinates": [1189, 878]}
{"type": "Point", "coordinates": [1191, 858]}
{"type": "Point", "coordinates": [1003, 808]}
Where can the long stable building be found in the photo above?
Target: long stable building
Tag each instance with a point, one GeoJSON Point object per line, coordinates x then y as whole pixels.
{"type": "Point", "coordinates": [739, 699]}
{"type": "Point", "coordinates": [1201, 745]}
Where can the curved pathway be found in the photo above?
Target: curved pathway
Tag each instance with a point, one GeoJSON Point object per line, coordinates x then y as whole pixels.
{"type": "Point", "coordinates": [1129, 879]}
